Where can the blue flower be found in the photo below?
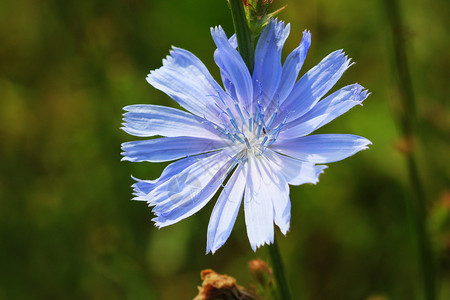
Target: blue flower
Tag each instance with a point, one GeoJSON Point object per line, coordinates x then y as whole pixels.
{"type": "Point", "coordinates": [251, 137]}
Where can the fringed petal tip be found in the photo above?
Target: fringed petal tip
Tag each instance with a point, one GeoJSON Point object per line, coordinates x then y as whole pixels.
{"type": "Point", "coordinates": [157, 223]}
{"type": "Point", "coordinates": [362, 144]}
{"type": "Point", "coordinates": [217, 30]}
{"type": "Point", "coordinates": [367, 144]}
{"type": "Point", "coordinates": [306, 33]}
{"type": "Point", "coordinates": [285, 229]}
{"type": "Point", "coordinates": [341, 55]}
{"type": "Point", "coordinates": [358, 92]}
{"type": "Point", "coordinates": [140, 189]}
{"type": "Point", "coordinates": [125, 158]}
{"type": "Point", "coordinates": [320, 169]}
{"type": "Point", "coordinates": [306, 39]}
{"type": "Point", "coordinates": [259, 245]}
{"type": "Point", "coordinates": [212, 249]}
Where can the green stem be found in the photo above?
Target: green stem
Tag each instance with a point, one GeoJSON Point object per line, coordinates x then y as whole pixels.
{"type": "Point", "coordinates": [278, 269]}
{"type": "Point", "coordinates": [417, 205]}
{"type": "Point", "coordinates": [243, 36]}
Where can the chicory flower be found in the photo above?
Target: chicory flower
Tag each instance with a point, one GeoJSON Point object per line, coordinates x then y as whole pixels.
{"type": "Point", "coordinates": [252, 136]}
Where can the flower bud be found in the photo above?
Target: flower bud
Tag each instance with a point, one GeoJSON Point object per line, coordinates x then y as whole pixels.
{"type": "Point", "coordinates": [257, 15]}
{"type": "Point", "coordinates": [261, 272]}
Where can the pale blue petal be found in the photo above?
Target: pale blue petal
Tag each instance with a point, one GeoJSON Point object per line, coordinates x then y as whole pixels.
{"type": "Point", "coordinates": [187, 192]}
{"type": "Point", "coordinates": [281, 205]}
{"type": "Point", "coordinates": [233, 41]}
{"type": "Point", "coordinates": [225, 211]}
{"type": "Point", "coordinates": [169, 148]}
{"type": "Point", "coordinates": [143, 187]}
{"type": "Point", "coordinates": [258, 206]}
{"type": "Point", "coordinates": [315, 84]}
{"type": "Point", "coordinates": [234, 68]}
{"type": "Point", "coordinates": [277, 191]}
{"type": "Point", "coordinates": [296, 172]}
{"type": "Point", "coordinates": [322, 148]}
{"type": "Point", "coordinates": [227, 83]}
{"type": "Point", "coordinates": [292, 66]}
{"type": "Point", "coordinates": [186, 80]}
{"type": "Point", "coordinates": [150, 120]}
{"type": "Point", "coordinates": [267, 71]}
{"type": "Point", "coordinates": [326, 111]}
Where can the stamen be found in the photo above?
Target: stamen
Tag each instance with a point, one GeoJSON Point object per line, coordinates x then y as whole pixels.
{"type": "Point", "coordinates": [275, 113]}
{"type": "Point", "coordinates": [232, 120]}
{"type": "Point", "coordinates": [231, 137]}
{"type": "Point", "coordinates": [221, 117]}
{"type": "Point", "coordinates": [222, 131]}
{"type": "Point", "coordinates": [277, 131]}
{"type": "Point", "coordinates": [258, 132]}
{"type": "Point", "coordinates": [257, 115]}
{"type": "Point", "coordinates": [264, 140]}
{"type": "Point", "coordinates": [261, 118]}
{"type": "Point", "coordinates": [271, 120]}
{"type": "Point", "coordinates": [220, 98]}
{"type": "Point", "coordinates": [247, 142]}
{"type": "Point", "coordinates": [238, 138]}
{"type": "Point", "coordinates": [262, 151]}
{"type": "Point", "coordinates": [240, 113]}
{"type": "Point", "coordinates": [219, 129]}
{"type": "Point", "coordinates": [271, 142]}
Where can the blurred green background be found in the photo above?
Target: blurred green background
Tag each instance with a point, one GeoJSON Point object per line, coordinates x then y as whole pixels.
{"type": "Point", "coordinates": [68, 229]}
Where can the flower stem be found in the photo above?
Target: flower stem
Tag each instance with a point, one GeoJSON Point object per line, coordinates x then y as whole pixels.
{"type": "Point", "coordinates": [416, 205]}
{"type": "Point", "coordinates": [278, 269]}
{"type": "Point", "coordinates": [243, 36]}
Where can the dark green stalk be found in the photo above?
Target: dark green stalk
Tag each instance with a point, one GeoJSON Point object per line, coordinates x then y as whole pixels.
{"type": "Point", "coordinates": [278, 270]}
{"type": "Point", "coordinates": [243, 36]}
{"type": "Point", "coordinates": [417, 206]}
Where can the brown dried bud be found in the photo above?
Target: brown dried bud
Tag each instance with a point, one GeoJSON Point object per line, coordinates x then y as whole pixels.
{"type": "Point", "coordinates": [261, 272]}
{"type": "Point", "coordinates": [217, 286]}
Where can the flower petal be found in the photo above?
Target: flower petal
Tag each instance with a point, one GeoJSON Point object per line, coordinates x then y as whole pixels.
{"type": "Point", "coordinates": [186, 80]}
{"type": "Point", "coordinates": [278, 191]}
{"type": "Point", "coordinates": [326, 111]}
{"type": "Point", "coordinates": [150, 120]}
{"type": "Point", "coordinates": [282, 206]}
{"type": "Point", "coordinates": [258, 206]}
{"type": "Point", "coordinates": [187, 192]}
{"type": "Point", "coordinates": [296, 172]}
{"type": "Point", "coordinates": [168, 148]}
{"type": "Point", "coordinates": [227, 83]}
{"type": "Point", "coordinates": [234, 68]}
{"type": "Point", "coordinates": [322, 148]}
{"type": "Point", "coordinates": [225, 211]}
{"type": "Point", "coordinates": [315, 84]}
{"type": "Point", "coordinates": [267, 71]}
{"type": "Point", "coordinates": [143, 187]}
{"type": "Point", "coordinates": [292, 66]}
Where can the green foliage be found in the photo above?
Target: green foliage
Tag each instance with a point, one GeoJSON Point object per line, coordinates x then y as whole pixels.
{"type": "Point", "coordinates": [258, 15]}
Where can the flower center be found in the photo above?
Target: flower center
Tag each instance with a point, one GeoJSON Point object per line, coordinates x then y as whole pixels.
{"type": "Point", "coordinates": [253, 131]}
